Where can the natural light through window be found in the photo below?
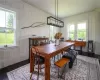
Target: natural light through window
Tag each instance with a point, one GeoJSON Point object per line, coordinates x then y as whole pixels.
{"type": "Point", "coordinates": [7, 27]}
{"type": "Point", "coordinates": [51, 32]}
{"type": "Point", "coordinates": [77, 31]}
{"type": "Point", "coordinates": [71, 32]}
{"type": "Point", "coordinates": [81, 31]}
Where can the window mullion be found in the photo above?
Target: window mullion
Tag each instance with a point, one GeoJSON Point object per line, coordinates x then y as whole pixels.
{"type": "Point", "coordinates": [75, 33]}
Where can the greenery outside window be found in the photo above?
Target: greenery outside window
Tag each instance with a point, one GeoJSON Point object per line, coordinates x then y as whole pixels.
{"type": "Point", "coordinates": [71, 32]}
{"type": "Point", "coordinates": [81, 31]}
{"type": "Point", "coordinates": [7, 27]}
{"type": "Point", "coordinates": [53, 31]}
{"type": "Point", "coordinates": [77, 31]}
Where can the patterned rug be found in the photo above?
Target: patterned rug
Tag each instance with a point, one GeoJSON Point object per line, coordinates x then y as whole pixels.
{"type": "Point", "coordinates": [86, 69]}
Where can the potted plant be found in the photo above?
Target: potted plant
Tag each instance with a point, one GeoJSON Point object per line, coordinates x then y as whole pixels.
{"type": "Point", "coordinates": [57, 38]}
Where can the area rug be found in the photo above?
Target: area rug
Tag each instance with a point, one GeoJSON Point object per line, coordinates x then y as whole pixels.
{"type": "Point", "coordinates": [86, 69]}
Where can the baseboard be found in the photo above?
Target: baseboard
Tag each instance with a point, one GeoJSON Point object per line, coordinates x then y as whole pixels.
{"type": "Point", "coordinates": [14, 66]}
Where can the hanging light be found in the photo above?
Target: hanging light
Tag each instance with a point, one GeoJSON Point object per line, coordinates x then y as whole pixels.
{"type": "Point", "coordinates": [54, 21]}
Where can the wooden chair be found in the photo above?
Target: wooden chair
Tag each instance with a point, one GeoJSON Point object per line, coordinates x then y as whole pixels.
{"type": "Point", "coordinates": [38, 61]}
{"type": "Point", "coordinates": [60, 64]}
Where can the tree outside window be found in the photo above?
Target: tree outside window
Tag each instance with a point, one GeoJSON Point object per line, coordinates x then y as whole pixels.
{"type": "Point", "coordinates": [77, 32]}
{"type": "Point", "coordinates": [81, 31]}
{"type": "Point", "coordinates": [71, 31]}
{"type": "Point", "coordinates": [7, 27]}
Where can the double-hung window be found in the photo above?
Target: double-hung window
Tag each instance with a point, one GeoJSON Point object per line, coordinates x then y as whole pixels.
{"type": "Point", "coordinates": [71, 31]}
{"type": "Point", "coordinates": [77, 31]}
{"type": "Point", "coordinates": [53, 31]}
{"type": "Point", "coordinates": [7, 27]}
{"type": "Point", "coordinates": [81, 31]}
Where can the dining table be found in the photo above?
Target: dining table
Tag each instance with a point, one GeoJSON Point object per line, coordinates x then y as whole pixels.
{"type": "Point", "coordinates": [48, 51]}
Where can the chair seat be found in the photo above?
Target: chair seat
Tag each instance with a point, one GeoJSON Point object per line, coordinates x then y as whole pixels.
{"type": "Point", "coordinates": [60, 63]}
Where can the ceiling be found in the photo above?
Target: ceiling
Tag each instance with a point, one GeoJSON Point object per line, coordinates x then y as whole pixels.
{"type": "Point", "coordinates": [65, 7]}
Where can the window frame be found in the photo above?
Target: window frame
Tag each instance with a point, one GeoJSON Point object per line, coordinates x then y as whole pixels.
{"type": "Point", "coordinates": [84, 21]}
{"type": "Point", "coordinates": [54, 31]}
{"type": "Point", "coordinates": [75, 32]}
{"type": "Point", "coordinates": [13, 29]}
{"type": "Point", "coordinates": [68, 30]}
{"type": "Point", "coordinates": [51, 31]}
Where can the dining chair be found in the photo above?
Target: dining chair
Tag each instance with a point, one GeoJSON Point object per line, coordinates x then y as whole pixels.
{"type": "Point", "coordinates": [41, 43]}
{"type": "Point", "coordinates": [38, 61]}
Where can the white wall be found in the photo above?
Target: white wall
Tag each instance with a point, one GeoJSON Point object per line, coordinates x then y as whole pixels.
{"type": "Point", "coordinates": [97, 34]}
{"type": "Point", "coordinates": [26, 15]}
{"type": "Point", "coordinates": [93, 20]}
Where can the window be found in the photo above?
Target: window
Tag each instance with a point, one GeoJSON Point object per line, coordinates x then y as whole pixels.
{"type": "Point", "coordinates": [71, 32]}
{"type": "Point", "coordinates": [7, 27]}
{"type": "Point", "coordinates": [77, 32]}
{"type": "Point", "coordinates": [81, 31]}
{"type": "Point", "coordinates": [53, 31]}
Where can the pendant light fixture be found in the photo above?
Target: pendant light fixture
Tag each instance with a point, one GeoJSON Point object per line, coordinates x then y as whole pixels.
{"type": "Point", "coordinates": [54, 21]}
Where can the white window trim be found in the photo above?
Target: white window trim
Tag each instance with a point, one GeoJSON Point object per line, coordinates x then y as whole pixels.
{"type": "Point", "coordinates": [75, 33]}
{"type": "Point", "coordinates": [7, 9]}
{"type": "Point", "coordinates": [86, 28]}
{"type": "Point", "coordinates": [68, 30]}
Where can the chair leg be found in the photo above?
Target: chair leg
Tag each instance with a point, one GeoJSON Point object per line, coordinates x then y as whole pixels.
{"type": "Point", "coordinates": [31, 77]}
{"type": "Point", "coordinates": [58, 72]}
{"type": "Point", "coordinates": [40, 67]}
{"type": "Point", "coordinates": [38, 72]}
{"type": "Point", "coordinates": [57, 57]}
{"type": "Point", "coordinates": [63, 71]}
{"type": "Point", "coordinates": [54, 58]}
{"type": "Point", "coordinates": [76, 61]}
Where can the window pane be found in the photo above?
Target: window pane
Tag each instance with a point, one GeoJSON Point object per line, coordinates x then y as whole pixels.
{"type": "Point", "coordinates": [51, 33]}
{"type": "Point", "coordinates": [2, 18]}
{"type": "Point", "coordinates": [71, 36]}
{"type": "Point", "coordinates": [81, 31]}
{"type": "Point", "coordinates": [10, 36]}
{"type": "Point", "coordinates": [71, 28]}
{"type": "Point", "coordinates": [2, 37]}
{"type": "Point", "coordinates": [9, 20]}
{"type": "Point", "coordinates": [71, 32]}
{"type": "Point", "coordinates": [7, 27]}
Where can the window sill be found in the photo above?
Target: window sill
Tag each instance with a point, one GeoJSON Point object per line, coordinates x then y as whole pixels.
{"type": "Point", "coordinates": [10, 46]}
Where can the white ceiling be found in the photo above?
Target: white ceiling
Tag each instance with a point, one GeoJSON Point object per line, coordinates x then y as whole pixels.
{"type": "Point", "coordinates": [65, 7]}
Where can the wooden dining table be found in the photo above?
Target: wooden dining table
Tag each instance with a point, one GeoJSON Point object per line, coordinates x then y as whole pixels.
{"type": "Point", "coordinates": [48, 51]}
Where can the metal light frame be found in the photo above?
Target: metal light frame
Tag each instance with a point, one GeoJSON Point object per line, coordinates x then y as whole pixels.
{"type": "Point", "coordinates": [54, 21]}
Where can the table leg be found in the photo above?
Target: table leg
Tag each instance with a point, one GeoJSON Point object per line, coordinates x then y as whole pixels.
{"type": "Point", "coordinates": [47, 69]}
{"type": "Point", "coordinates": [81, 49]}
{"type": "Point", "coordinates": [31, 62]}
